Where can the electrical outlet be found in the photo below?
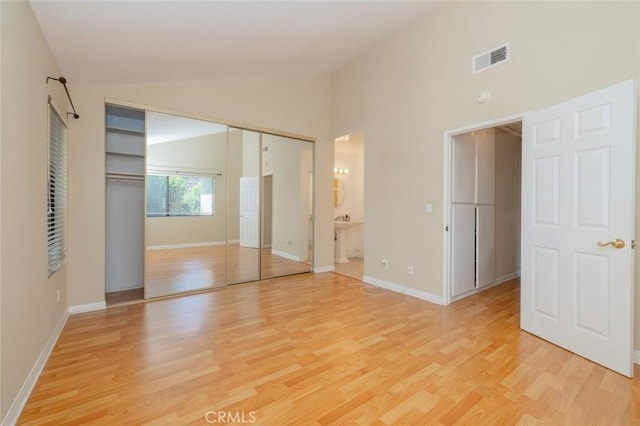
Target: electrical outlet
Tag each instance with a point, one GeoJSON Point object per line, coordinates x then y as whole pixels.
{"type": "Point", "coordinates": [410, 270]}
{"type": "Point", "coordinates": [384, 263]}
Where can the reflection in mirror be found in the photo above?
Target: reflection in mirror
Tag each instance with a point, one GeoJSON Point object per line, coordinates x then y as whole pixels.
{"type": "Point", "coordinates": [338, 192]}
{"type": "Point", "coordinates": [243, 224]}
{"type": "Point", "coordinates": [185, 230]}
{"type": "Point", "coordinates": [287, 221]}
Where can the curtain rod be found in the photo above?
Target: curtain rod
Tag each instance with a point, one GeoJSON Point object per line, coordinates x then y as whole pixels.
{"type": "Point", "coordinates": [63, 81]}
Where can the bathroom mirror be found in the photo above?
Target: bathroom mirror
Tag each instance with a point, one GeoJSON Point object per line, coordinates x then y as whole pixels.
{"type": "Point", "coordinates": [338, 192]}
{"type": "Point", "coordinates": [186, 195]}
{"type": "Point", "coordinates": [287, 199]}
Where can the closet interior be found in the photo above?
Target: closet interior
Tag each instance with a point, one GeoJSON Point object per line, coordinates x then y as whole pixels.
{"type": "Point", "coordinates": [125, 172]}
{"type": "Point", "coordinates": [194, 204]}
{"type": "Point", "coordinates": [484, 209]}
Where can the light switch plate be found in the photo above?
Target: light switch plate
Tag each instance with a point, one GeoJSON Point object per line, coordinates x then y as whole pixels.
{"type": "Point", "coordinates": [429, 208]}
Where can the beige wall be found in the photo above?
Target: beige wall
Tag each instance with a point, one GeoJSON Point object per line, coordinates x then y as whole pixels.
{"type": "Point", "coordinates": [298, 105]}
{"type": "Point", "coordinates": [405, 93]}
{"type": "Point", "coordinates": [29, 308]}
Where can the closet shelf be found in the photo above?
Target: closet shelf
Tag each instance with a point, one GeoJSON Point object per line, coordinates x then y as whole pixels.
{"type": "Point", "coordinates": [125, 131]}
{"type": "Point", "coordinates": [125, 154]}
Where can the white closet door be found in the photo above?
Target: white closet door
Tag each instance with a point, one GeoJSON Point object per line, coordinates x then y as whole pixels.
{"type": "Point", "coordinates": [464, 166]}
{"type": "Point", "coordinates": [249, 211]}
{"type": "Point", "coordinates": [486, 166]}
{"type": "Point", "coordinates": [485, 238]}
{"type": "Point", "coordinates": [463, 249]}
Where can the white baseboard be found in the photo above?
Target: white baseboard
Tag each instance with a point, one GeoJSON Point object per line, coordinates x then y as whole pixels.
{"type": "Point", "coordinates": [285, 255]}
{"type": "Point", "coordinates": [322, 269]}
{"type": "Point", "coordinates": [423, 295]}
{"type": "Point", "coordinates": [429, 297]}
{"type": "Point", "coordinates": [189, 245]}
{"type": "Point", "coordinates": [13, 414]}
{"type": "Point", "coordinates": [498, 281]}
{"type": "Point", "coordinates": [505, 278]}
{"type": "Point", "coordinates": [88, 307]}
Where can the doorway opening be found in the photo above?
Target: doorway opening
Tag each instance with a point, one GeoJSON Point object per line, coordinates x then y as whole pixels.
{"type": "Point", "coordinates": [577, 174]}
{"type": "Point", "coordinates": [483, 208]}
{"type": "Point", "coordinates": [348, 203]}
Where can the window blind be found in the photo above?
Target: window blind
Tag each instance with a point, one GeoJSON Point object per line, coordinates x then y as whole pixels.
{"type": "Point", "coordinates": [57, 190]}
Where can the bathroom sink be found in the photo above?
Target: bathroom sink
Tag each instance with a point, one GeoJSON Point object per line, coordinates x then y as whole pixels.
{"type": "Point", "coordinates": [341, 240]}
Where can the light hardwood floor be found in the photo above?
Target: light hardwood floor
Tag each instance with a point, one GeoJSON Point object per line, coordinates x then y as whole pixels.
{"type": "Point", "coordinates": [321, 349]}
{"type": "Point", "coordinates": [181, 270]}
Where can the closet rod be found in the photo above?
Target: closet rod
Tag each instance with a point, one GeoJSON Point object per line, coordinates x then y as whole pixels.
{"type": "Point", "coordinates": [160, 172]}
{"type": "Point", "coordinates": [123, 177]}
{"type": "Point", "coordinates": [63, 81]}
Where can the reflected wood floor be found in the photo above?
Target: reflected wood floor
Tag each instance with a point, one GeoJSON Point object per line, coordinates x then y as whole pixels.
{"type": "Point", "coordinates": [321, 349]}
{"type": "Point", "coordinates": [353, 269]}
{"type": "Point", "coordinates": [181, 270]}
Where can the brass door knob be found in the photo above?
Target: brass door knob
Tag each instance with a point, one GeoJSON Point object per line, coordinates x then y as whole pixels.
{"type": "Point", "coordinates": [617, 243]}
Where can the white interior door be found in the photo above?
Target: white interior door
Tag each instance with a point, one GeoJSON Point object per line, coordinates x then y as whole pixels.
{"type": "Point", "coordinates": [578, 178]}
{"type": "Point", "coordinates": [249, 206]}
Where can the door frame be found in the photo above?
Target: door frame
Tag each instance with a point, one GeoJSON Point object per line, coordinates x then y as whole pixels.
{"type": "Point", "coordinates": [446, 197]}
{"type": "Point", "coordinates": [264, 175]}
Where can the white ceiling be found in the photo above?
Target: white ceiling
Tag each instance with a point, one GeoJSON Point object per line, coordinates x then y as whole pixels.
{"type": "Point", "coordinates": [115, 42]}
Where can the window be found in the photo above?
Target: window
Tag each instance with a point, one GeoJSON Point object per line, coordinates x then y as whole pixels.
{"type": "Point", "coordinates": [57, 190]}
{"type": "Point", "coordinates": [180, 195]}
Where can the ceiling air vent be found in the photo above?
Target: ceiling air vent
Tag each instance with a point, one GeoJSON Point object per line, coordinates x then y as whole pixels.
{"type": "Point", "coordinates": [491, 58]}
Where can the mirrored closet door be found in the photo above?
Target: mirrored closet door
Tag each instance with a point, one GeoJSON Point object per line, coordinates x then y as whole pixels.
{"type": "Point", "coordinates": [186, 205]}
{"type": "Point", "coordinates": [243, 225]}
{"type": "Point", "coordinates": [194, 204]}
{"type": "Point", "coordinates": [287, 214]}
